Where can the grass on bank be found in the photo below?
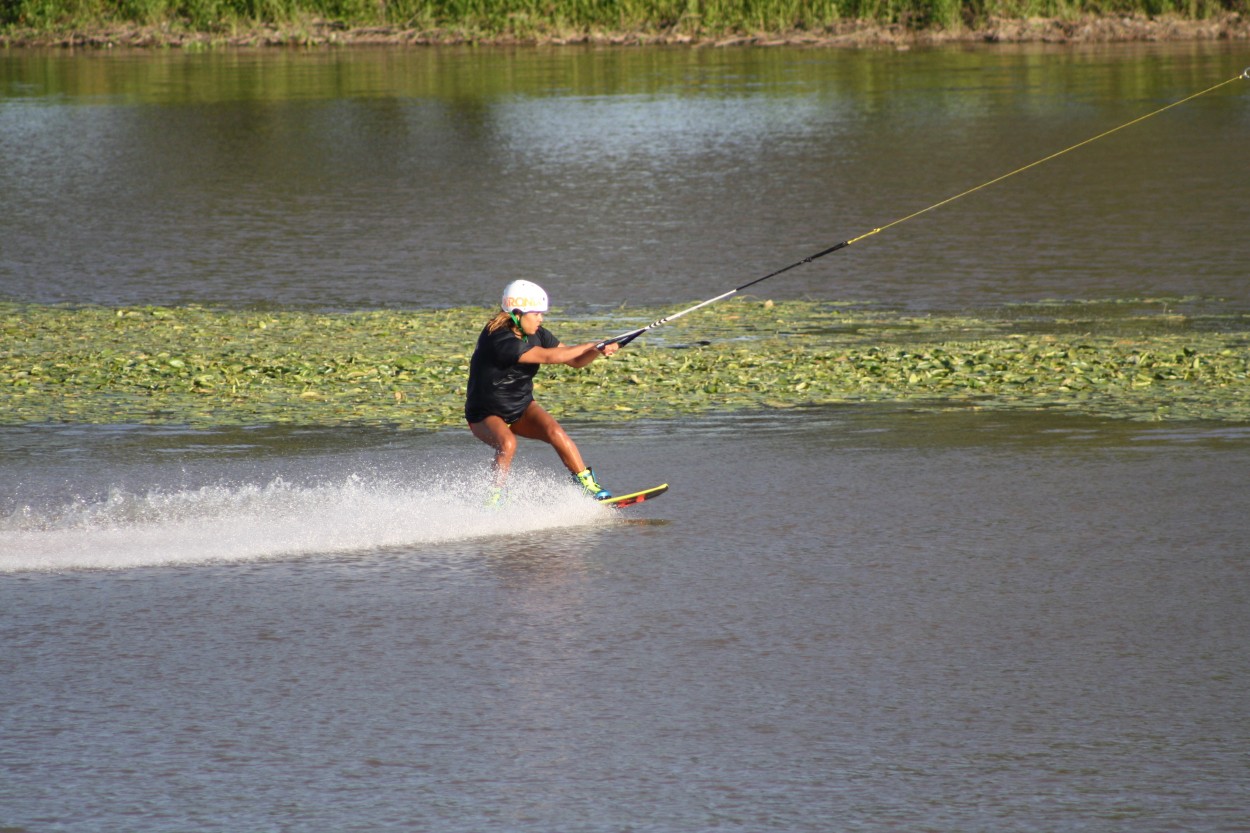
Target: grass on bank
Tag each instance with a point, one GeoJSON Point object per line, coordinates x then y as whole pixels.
{"type": "Point", "coordinates": [205, 368]}
{"type": "Point", "coordinates": [530, 19]}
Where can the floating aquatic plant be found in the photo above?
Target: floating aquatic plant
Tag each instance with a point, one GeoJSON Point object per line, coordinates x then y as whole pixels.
{"type": "Point", "coordinates": [206, 367]}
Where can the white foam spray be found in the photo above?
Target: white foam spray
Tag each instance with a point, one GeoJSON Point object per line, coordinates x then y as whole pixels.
{"type": "Point", "coordinates": [248, 522]}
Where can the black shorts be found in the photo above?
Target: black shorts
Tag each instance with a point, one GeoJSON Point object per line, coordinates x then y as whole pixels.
{"type": "Point", "coordinates": [472, 416]}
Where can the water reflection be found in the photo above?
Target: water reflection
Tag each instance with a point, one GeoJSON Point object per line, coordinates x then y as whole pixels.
{"type": "Point", "coordinates": [348, 179]}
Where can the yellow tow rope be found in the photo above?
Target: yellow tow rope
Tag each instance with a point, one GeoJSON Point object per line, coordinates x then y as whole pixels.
{"type": "Point", "coordinates": [626, 338]}
{"type": "Point", "coordinates": [1245, 74]}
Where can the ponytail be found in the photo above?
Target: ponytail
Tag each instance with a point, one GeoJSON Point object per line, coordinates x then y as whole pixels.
{"type": "Point", "coordinates": [501, 319]}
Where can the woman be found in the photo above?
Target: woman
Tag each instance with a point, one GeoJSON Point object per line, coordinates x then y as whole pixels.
{"type": "Point", "coordinates": [500, 403]}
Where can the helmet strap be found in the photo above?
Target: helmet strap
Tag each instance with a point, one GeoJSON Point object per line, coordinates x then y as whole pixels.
{"type": "Point", "coordinates": [516, 319]}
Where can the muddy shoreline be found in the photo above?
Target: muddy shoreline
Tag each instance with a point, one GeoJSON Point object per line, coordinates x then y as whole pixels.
{"type": "Point", "coordinates": [852, 34]}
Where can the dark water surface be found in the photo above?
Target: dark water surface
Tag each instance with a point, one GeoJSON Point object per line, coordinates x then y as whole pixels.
{"type": "Point", "coordinates": [419, 178]}
{"type": "Point", "coordinates": [861, 618]}
{"type": "Point", "coordinates": [841, 619]}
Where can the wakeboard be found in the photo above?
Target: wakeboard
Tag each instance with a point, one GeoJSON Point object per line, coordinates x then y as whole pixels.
{"type": "Point", "coordinates": [630, 499]}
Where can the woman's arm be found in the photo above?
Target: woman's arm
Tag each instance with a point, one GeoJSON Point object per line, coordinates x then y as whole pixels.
{"type": "Point", "coordinates": [577, 355]}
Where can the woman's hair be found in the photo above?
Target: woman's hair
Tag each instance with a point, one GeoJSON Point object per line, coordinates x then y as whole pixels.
{"type": "Point", "coordinates": [501, 319]}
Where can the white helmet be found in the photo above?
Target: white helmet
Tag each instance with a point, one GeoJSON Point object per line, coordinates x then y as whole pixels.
{"type": "Point", "coordinates": [525, 296]}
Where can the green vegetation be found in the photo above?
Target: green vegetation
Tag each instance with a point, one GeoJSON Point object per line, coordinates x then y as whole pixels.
{"type": "Point", "coordinates": [1134, 360]}
{"type": "Point", "coordinates": [546, 19]}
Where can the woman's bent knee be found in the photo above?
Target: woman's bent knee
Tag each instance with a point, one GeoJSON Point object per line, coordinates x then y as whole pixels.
{"type": "Point", "coordinates": [495, 433]}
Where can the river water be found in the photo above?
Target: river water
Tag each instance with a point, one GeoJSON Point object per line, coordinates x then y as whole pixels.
{"type": "Point", "coordinates": [857, 618]}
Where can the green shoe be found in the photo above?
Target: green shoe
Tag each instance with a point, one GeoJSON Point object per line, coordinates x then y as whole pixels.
{"type": "Point", "coordinates": [495, 498]}
{"type": "Point", "coordinates": [586, 479]}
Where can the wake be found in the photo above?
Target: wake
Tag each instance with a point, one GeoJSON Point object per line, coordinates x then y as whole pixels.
{"type": "Point", "coordinates": [250, 522]}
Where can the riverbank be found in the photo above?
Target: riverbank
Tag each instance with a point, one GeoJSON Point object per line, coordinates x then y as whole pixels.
{"type": "Point", "coordinates": [851, 34]}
